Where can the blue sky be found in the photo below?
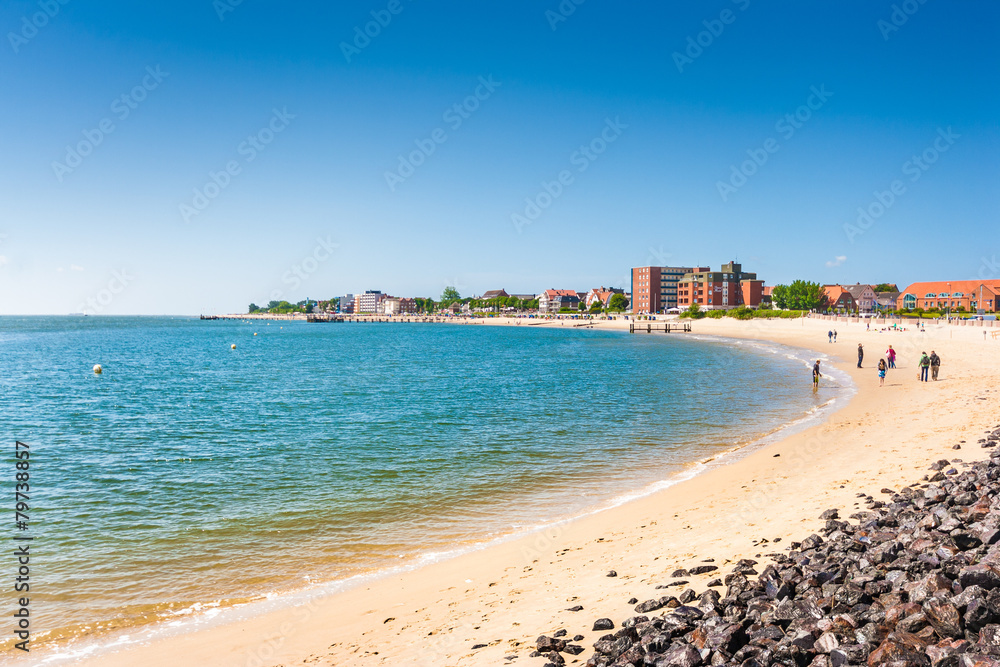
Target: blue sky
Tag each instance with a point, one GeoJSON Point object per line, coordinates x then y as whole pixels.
{"type": "Point", "coordinates": [252, 155]}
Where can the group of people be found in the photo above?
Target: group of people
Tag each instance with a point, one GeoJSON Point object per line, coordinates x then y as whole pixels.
{"type": "Point", "coordinates": [928, 364]}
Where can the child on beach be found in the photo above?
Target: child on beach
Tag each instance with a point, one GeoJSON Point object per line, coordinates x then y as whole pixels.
{"type": "Point", "coordinates": [882, 366]}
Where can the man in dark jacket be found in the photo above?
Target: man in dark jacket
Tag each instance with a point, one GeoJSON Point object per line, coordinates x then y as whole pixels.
{"type": "Point", "coordinates": [861, 354]}
{"type": "Point", "coordinates": [935, 364]}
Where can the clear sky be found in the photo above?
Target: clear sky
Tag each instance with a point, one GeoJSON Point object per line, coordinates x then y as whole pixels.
{"type": "Point", "coordinates": [194, 156]}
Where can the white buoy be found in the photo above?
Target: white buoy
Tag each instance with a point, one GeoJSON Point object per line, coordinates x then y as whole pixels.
{"type": "Point", "coordinates": [255, 334]}
{"type": "Point", "coordinates": [233, 346]}
{"type": "Point", "coordinates": [97, 369]}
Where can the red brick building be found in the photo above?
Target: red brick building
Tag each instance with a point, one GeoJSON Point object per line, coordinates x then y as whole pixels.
{"type": "Point", "coordinates": [724, 289]}
{"type": "Point", "coordinates": [654, 288]}
{"type": "Point", "coordinates": [970, 295]}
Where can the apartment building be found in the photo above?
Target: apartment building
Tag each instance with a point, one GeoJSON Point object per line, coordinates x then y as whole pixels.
{"type": "Point", "coordinates": [368, 302]}
{"type": "Point", "coordinates": [654, 288]}
{"type": "Point", "coordinates": [727, 288]}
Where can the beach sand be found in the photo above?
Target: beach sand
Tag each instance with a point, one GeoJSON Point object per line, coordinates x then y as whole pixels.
{"type": "Point", "coordinates": [506, 595]}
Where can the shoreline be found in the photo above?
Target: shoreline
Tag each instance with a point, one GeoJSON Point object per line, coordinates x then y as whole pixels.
{"type": "Point", "coordinates": [208, 614]}
{"type": "Point", "coordinates": [277, 642]}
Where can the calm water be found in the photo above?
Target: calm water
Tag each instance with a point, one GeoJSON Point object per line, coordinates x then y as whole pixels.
{"type": "Point", "coordinates": [191, 474]}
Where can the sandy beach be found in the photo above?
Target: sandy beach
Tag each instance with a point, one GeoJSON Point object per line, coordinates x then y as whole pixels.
{"type": "Point", "coordinates": [487, 607]}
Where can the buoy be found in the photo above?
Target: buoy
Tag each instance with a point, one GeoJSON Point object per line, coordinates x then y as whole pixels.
{"type": "Point", "coordinates": [255, 334]}
{"type": "Point", "coordinates": [233, 346]}
{"type": "Point", "coordinates": [98, 370]}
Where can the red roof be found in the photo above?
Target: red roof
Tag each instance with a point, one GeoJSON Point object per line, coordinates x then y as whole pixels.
{"type": "Point", "coordinates": [965, 286]}
{"type": "Point", "coordinates": [552, 293]}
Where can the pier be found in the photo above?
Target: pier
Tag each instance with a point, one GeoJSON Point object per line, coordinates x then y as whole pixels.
{"type": "Point", "coordinates": [655, 327]}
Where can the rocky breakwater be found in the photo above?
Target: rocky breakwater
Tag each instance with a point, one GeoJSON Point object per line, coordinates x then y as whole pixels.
{"type": "Point", "coordinates": [911, 580]}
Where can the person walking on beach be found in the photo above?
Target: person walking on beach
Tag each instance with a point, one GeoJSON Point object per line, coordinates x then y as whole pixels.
{"type": "Point", "coordinates": [861, 354]}
{"type": "Point", "coordinates": [834, 335]}
{"type": "Point", "coordinates": [816, 375]}
{"type": "Point", "coordinates": [829, 336]}
{"type": "Point", "coordinates": [935, 365]}
{"type": "Point", "coordinates": [891, 356]}
{"type": "Point", "coordinates": [882, 366]}
{"type": "Point", "coordinates": [925, 363]}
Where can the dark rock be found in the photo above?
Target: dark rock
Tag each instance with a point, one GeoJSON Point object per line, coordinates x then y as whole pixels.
{"type": "Point", "coordinates": [612, 573]}
{"type": "Point", "coordinates": [900, 648]}
{"type": "Point", "coordinates": [603, 624]}
{"type": "Point", "coordinates": [576, 608]}
{"type": "Point", "coordinates": [546, 644]}
{"type": "Point", "coordinates": [943, 617]}
{"type": "Point", "coordinates": [702, 569]}
{"type": "Point", "coordinates": [681, 655]}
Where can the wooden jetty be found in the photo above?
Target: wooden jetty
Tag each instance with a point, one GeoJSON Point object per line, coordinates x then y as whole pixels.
{"type": "Point", "coordinates": [324, 318]}
{"type": "Point", "coordinates": [656, 327]}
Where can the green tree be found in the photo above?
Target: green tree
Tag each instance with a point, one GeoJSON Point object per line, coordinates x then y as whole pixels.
{"type": "Point", "coordinates": [531, 305]}
{"type": "Point", "coordinates": [597, 306]}
{"type": "Point", "coordinates": [450, 294]}
{"type": "Point", "coordinates": [618, 303]}
{"type": "Point", "coordinates": [885, 287]}
{"type": "Point", "coordinates": [693, 311]}
{"type": "Point", "coordinates": [254, 308]}
{"type": "Point", "coordinates": [800, 295]}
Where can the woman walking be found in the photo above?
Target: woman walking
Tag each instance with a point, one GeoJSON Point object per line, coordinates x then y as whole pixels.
{"type": "Point", "coordinates": [890, 354]}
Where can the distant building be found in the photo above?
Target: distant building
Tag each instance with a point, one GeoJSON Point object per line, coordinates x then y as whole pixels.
{"type": "Point", "coordinates": [655, 287]}
{"type": "Point", "coordinates": [602, 294]}
{"type": "Point", "coordinates": [723, 289]}
{"type": "Point", "coordinates": [864, 297]}
{"type": "Point", "coordinates": [368, 302]}
{"type": "Point", "coordinates": [838, 298]}
{"type": "Point", "coordinates": [886, 300]}
{"type": "Point", "coordinates": [552, 300]}
{"type": "Point", "coordinates": [971, 295]}
{"type": "Point", "coordinates": [346, 304]}
{"type": "Point", "coordinates": [494, 294]}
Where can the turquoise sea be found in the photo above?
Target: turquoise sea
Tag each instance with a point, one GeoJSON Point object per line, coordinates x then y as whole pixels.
{"type": "Point", "coordinates": [192, 476]}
